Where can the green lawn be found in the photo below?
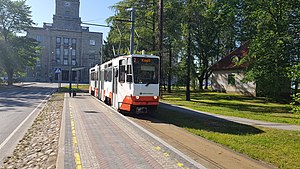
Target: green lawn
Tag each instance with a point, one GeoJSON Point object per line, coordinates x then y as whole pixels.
{"type": "Point", "coordinates": [81, 88]}
{"type": "Point", "coordinates": [277, 147]}
{"type": "Point", "coordinates": [235, 105]}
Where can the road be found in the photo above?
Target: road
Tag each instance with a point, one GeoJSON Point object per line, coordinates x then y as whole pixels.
{"type": "Point", "coordinates": [19, 106]}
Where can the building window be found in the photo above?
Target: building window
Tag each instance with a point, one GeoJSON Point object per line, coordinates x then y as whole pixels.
{"type": "Point", "coordinates": [231, 79]}
{"type": "Point", "coordinates": [58, 40]}
{"type": "Point", "coordinates": [58, 61]}
{"type": "Point", "coordinates": [73, 41]}
{"type": "Point", "coordinates": [74, 62]}
{"type": "Point", "coordinates": [39, 38]}
{"type": "Point", "coordinates": [66, 53]}
{"type": "Point", "coordinates": [73, 53]}
{"type": "Point", "coordinates": [92, 42]}
{"type": "Point", "coordinates": [66, 41]}
{"type": "Point", "coordinates": [66, 62]}
{"type": "Point", "coordinates": [57, 52]}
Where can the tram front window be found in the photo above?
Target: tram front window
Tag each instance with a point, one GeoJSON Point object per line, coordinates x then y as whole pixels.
{"type": "Point", "coordinates": [145, 70]}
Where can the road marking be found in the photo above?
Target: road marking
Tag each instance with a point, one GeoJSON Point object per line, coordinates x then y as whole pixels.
{"type": "Point", "coordinates": [75, 142]}
{"type": "Point", "coordinates": [23, 122]}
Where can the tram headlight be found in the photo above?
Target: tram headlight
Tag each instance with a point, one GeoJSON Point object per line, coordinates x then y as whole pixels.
{"type": "Point", "coordinates": [155, 97]}
{"type": "Point", "coordinates": [137, 97]}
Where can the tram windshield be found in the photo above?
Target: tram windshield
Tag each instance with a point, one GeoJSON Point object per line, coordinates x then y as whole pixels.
{"type": "Point", "coordinates": [145, 70]}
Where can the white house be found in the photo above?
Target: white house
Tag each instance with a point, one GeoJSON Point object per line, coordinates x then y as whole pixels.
{"type": "Point", "coordinates": [227, 75]}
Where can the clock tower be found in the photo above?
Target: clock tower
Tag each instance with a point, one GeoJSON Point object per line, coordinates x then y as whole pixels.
{"type": "Point", "coordinates": [67, 15]}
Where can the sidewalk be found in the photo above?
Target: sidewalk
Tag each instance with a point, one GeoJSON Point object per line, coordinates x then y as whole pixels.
{"type": "Point", "coordinates": [250, 122]}
{"type": "Point", "coordinates": [96, 136]}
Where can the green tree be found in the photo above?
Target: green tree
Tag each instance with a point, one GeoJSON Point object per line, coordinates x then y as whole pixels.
{"type": "Point", "coordinates": [145, 26]}
{"type": "Point", "coordinates": [16, 52]}
{"type": "Point", "coordinates": [274, 45]}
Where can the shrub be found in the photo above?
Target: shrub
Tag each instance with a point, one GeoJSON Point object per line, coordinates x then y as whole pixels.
{"type": "Point", "coordinates": [296, 104]}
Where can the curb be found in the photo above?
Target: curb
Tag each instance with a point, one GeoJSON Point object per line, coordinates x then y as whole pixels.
{"type": "Point", "coordinates": [60, 161]}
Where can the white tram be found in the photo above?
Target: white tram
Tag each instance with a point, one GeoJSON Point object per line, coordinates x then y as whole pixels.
{"type": "Point", "coordinates": [127, 83]}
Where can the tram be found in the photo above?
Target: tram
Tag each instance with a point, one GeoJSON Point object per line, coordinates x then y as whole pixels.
{"type": "Point", "coordinates": [127, 83]}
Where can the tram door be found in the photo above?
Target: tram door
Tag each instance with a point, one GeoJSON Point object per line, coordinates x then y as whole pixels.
{"type": "Point", "coordinates": [102, 85]}
{"type": "Point", "coordinates": [115, 87]}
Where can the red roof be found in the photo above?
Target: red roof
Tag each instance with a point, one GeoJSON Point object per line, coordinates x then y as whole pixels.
{"type": "Point", "coordinates": [230, 61]}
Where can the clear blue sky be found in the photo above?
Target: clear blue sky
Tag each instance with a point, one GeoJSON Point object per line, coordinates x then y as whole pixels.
{"type": "Point", "coordinates": [92, 11]}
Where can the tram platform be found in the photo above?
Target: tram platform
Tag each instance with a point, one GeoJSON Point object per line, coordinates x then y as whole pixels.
{"type": "Point", "coordinates": [94, 135]}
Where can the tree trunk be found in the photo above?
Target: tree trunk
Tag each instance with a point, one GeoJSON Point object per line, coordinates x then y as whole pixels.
{"type": "Point", "coordinates": [208, 73]}
{"type": "Point", "coordinates": [10, 77]}
{"type": "Point", "coordinates": [188, 62]}
{"type": "Point", "coordinates": [296, 87]}
{"type": "Point", "coordinates": [160, 41]}
{"type": "Point", "coordinates": [170, 70]}
{"type": "Point", "coordinates": [154, 25]}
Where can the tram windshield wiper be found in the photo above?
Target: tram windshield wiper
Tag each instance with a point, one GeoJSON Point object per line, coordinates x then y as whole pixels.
{"type": "Point", "coordinates": [148, 83]}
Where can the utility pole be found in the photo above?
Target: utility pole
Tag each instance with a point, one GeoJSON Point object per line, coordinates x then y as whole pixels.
{"type": "Point", "coordinates": [132, 28]}
{"type": "Point", "coordinates": [160, 42]}
{"type": "Point", "coordinates": [132, 31]}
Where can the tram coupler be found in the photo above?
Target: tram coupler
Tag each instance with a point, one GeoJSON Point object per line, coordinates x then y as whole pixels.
{"type": "Point", "coordinates": [141, 110]}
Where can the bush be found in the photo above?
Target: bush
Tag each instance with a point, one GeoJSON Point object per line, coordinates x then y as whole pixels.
{"type": "Point", "coordinates": [296, 104]}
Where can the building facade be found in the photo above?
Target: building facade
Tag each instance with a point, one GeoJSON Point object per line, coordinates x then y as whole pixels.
{"type": "Point", "coordinates": [227, 76]}
{"type": "Point", "coordinates": [65, 45]}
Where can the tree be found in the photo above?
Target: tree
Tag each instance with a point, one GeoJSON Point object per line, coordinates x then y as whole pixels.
{"type": "Point", "coordinates": [16, 52]}
{"type": "Point", "coordinates": [145, 26]}
{"type": "Point", "coordinates": [274, 47]}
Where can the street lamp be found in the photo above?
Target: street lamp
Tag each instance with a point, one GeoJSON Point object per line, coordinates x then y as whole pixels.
{"type": "Point", "coordinates": [70, 71]}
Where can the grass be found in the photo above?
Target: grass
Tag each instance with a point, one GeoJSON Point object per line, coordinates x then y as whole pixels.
{"type": "Point", "coordinates": [234, 105]}
{"type": "Point", "coordinates": [278, 147]}
{"type": "Point", "coordinates": [81, 88]}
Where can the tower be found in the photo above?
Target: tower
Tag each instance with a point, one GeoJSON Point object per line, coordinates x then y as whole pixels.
{"type": "Point", "coordinates": [67, 15]}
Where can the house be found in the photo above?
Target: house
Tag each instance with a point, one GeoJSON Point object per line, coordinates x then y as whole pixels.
{"type": "Point", "coordinates": [227, 75]}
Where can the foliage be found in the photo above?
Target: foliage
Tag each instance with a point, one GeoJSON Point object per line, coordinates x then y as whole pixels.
{"type": "Point", "coordinates": [14, 17]}
{"type": "Point", "coordinates": [216, 28]}
{"type": "Point", "coordinates": [296, 104]}
{"type": "Point", "coordinates": [145, 26]}
{"type": "Point", "coordinates": [16, 52]}
{"type": "Point", "coordinates": [274, 45]}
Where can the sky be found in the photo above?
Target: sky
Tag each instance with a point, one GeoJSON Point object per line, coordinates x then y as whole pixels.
{"type": "Point", "coordinates": [91, 11]}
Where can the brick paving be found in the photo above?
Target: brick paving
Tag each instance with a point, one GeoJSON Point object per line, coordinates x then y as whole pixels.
{"type": "Point", "coordinates": [107, 139]}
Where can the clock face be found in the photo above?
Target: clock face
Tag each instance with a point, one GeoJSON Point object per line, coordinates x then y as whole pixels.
{"type": "Point", "coordinates": [67, 4]}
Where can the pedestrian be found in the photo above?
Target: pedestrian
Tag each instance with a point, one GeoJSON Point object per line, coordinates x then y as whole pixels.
{"type": "Point", "coordinates": [74, 93]}
{"type": "Point", "coordinates": [70, 92]}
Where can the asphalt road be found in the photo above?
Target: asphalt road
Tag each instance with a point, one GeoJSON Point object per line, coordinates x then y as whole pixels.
{"type": "Point", "coordinates": [19, 106]}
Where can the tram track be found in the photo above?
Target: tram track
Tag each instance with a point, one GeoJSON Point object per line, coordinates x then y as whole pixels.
{"type": "Point", "coordinates": [205, 152]}
{"type": "Point", "coordinates": [195, 155]}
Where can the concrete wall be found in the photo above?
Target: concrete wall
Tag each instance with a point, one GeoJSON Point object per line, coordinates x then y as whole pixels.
{"type": "Point", "coordinates": [220, 83]}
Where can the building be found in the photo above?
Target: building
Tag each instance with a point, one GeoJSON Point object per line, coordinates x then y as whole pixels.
{"type": "Point", "coordinates": [65, 45]}
{"type": "Point", "coordinates": [227, 76]}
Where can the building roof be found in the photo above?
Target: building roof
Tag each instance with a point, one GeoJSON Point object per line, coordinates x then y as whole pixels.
{"type": "Point", "coordinates": [229, 62]}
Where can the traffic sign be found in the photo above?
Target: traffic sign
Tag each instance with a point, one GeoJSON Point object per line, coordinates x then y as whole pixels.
{"type": "Point", "coordinates": [57, 70]}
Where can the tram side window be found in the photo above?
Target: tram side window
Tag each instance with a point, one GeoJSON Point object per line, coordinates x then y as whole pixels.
{"type": "Point", "coordinates": [129, 74]}
{"type": "Point", "coordinates": [122, 74]}
{"type": "Point", "coordinates": [108, 75]}
{"type": "Point", "coordinates": [93, 76]}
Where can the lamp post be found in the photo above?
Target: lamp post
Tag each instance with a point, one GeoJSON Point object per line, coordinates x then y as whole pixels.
{"type": "Point", "coordinates": [70, 71]}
